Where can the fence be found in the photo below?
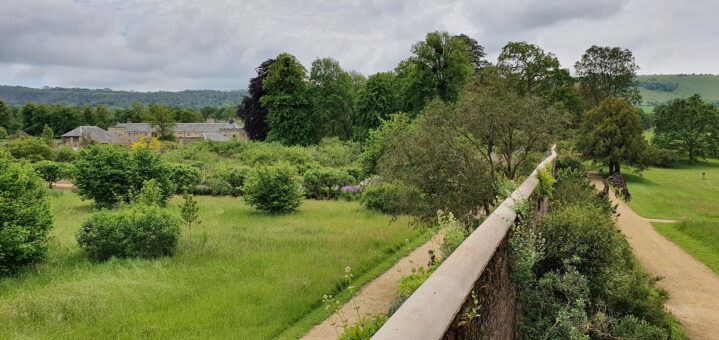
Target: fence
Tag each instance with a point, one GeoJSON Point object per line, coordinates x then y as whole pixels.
{"type": "Point", "coordinates": [470, 295]}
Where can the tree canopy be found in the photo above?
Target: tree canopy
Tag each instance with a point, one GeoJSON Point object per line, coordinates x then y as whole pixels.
{"type": "Point", "coordinates": [689, 126]}
{"type": "Point", "coordinates": [251, 111]}
{"type": "Point", "coordinates": [605, 72]}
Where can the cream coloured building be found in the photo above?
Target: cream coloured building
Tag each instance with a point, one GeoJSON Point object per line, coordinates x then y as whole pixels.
{"type": "Point", "coordinates": [184, 132]}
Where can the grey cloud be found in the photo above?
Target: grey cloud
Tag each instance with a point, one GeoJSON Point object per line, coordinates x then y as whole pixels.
{"type": "Point", "coordinates": [178, 44]}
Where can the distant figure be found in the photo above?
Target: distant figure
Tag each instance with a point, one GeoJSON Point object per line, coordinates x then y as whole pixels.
{"type": "Point", "coordinates": [703, 175]}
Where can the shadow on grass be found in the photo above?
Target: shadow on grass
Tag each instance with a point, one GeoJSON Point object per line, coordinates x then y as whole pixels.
{"type": "Point", "coordinates": [638, 179]}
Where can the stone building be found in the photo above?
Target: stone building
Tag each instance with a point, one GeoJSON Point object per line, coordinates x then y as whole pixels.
{"type": "Point", "coordinates": [184, 132]}
{"type": "Point", "coordinates": [84, 135]}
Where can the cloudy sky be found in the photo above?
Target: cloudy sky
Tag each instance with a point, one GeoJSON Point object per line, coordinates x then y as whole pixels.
{"type": "Point", "coordinates": [216, 44]}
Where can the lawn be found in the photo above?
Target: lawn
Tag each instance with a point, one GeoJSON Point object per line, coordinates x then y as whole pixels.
{"type": "Point", "coordinates": [680, 193]}
{"type": "Point", "coordinates": [244, 275]}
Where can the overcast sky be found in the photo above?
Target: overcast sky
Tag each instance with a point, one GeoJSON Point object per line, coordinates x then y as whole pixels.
{"type": "Point", "coordinates": [216, 44]}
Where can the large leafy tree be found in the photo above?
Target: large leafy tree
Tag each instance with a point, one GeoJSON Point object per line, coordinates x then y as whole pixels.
{"type": "Point", "coordinates": [607, 72]}
{"type": "Point", "coordinates": [8, 118]}
{"type": "Point", "coordinates": [376, 101]}
{"type": "Point", "coordinates": [290, 117]}
{"type": "Point", "coordinates": [687, 125]}
{"type": "Point", "coordinates": [476, 51]}
{"type": "Point", "coordinates": [332, 97]}
{"type": "Point", "coordinates": [504, 126]}
{"type": "Point", "coordinates": [251, 111]}
{"type": "Point", "coordinates": [534, 70]}
{"type": "Point", "coordinates": [446, 59]}
{"type": "Point", "coordinates": [163, 119]}
{"type": "Point", "coordinates": [612, 134]}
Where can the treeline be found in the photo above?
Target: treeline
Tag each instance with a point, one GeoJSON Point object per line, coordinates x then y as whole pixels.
{"type": "Point", "coordinates": [18, 95]}
{"type": "Point", "coordinates": [656, 85]}
{"type": "Point", "coordinates": [31, 118]}
{"type": "Point", "coordinates": [289, 104]}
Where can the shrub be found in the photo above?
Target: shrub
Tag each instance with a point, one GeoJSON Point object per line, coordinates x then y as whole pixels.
{"type": "Point", "coordinates": [3, 133]}
{"type": "Point", "coordinates": [364, 328]}
{"type": "Point", "coordinates": [217, 186]}
{"type": "Point", "coordinates": [110, 175]}
{"type": "Point", "coordinates": [273, 189]}
{"type": "Point", "coordinates": [150, 194]}
{"type": "Point", "coordinates": [30, 148]}
{"type": "Point", "coordinates": [25, 217]}
{"type": "Point", "coordinates": [144, 231]}
{"type": "Point", "coordinates": [662, 157]}
{"type": "Point", "coordinates": [408, 284]}
{"type": "Point", "coordinates": [185, 177]}
{"type": "Point", "coordinates": [391, 198]}
{"type": "Point", "coordinates": [546, 182]}
{"type": "Point", "coordinates": [325, 183]}
{"type": "Point", "coordinates": [333, 152]}
{"type": "Point", "coordinates": [52, 171]}
{"type": "Point", "coordinates": [454, 232]}
{"type": "Point", "coordinates": [569, 160]}
{"type": "Point", "coordinates": [66, 154]}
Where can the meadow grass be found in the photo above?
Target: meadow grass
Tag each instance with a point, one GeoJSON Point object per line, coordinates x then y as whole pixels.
{"type": "Point", "coordinates": [245, 274]}
{"type": "Point", "coordinates": [704, 84]}
{"type": "Point", "coordinates": [681, 194]}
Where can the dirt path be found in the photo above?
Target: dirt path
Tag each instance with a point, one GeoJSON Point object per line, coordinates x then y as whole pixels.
{"type": "Point", "coordinates": [378, 295]}
{"type": "Point", "coordinates": [693, 287]}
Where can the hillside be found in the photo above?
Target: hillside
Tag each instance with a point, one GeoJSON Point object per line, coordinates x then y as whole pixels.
{"type": "Point", "coordinates": [656, 89]}
{"type": "Point", "coordinates": [18, 95]}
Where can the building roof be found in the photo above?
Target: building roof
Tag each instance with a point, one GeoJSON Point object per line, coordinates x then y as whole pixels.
{"type": "Point", "coordinates": [181, 127]}
{"type": "Point", "coordinates": [93, 133]}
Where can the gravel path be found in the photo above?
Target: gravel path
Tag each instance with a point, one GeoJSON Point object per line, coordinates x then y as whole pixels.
{"type": "Point", "coordinates": [693, 287]}
{"type": "Point", "coordinates": [378, 295]}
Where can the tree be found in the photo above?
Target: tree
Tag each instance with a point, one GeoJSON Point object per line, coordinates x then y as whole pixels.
{"type": "Point", "coordinates": [476, 51]}
{"type": "Point", "coordinates": [688, 125]}
{"type": "Point", "coordinates": [163, 119]}
{"type": "Point", "coordinates": [25, 214]}
{"type": "Point", "coordinates": [447, 59]}
{"type": "Point", "coordinates": [30, 148]}
{"type": "Point", "coordinates": [612, 134]}
{"type": "Point", "coordinates": [332, 99]}
{"type": "Point", "coordinates": [251, 111]}
{"type": "Point", "coordinates": [8, 118]}
{"type": "Point", "coordinates": [376, 101]}
{"type": "Point", "coordinates": [47, 135]}
{"type": "Point", "coordinates": [274, 189]}
{"type": "Point", "coordinates": [189, 211]}
{"type": "Point", "coordinates": [290, 116]}
{"type": "Point", "coordinates": [413, 87]}
{"type": "Point", "coordinates": [607, 71]}
{"type": "Point", "coordinates": [51, 171]}
{"type": "Point", "coordinates": [529, 64]}
{"type": "Point", "coordinates": [495, 119]}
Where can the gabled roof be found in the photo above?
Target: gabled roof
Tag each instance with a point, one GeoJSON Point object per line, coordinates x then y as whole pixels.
{"type": "Point", "coordinates": [93, 133]}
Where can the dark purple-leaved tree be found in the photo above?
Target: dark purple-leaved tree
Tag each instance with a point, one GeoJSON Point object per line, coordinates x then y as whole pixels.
{"type": "Point", "coordinates": [251, 111]}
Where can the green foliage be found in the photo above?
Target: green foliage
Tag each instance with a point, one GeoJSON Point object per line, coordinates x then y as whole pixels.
{"type": "Point", "coordinates": [332, 94]}
{"type": "Point", "coordinates": [163, 119]}
{"type": "Point", "coordinates": [52, 171]}
{"type": "Point", "coordinates": [688, 126]}
{"type": "Point", "coordinates": [707, 85]}
{"type": "Point", "coordinates": [408, 284]}
{"type": "Point", "coordinates": [376, 101]}
{"type": "Point", "coordinates": [379, 140]}
{"type": "Point", "coordinates": [30, 148]}
{"type": "Point", "coordinates": [3, 132]}
{"type": "Point", "coordinates": [606, 72]}
{"type": "Point", "coordinates": [325, 183]}
{"type": "Point", "coordinates": [138, 230]}
{"type": "Point", "coordinates": [290, 117]}
{"type": "Point", "coordinates": [447, 61]}
{"type": "Point", "coordinates": [274, 189]}
{"type": "Point", "coordinates": [391, 198]}
{"type": "Point", "coordinates": [185, 177]}
{"type": "Point", "coordinates": [546, 182]}
{"type": "Point", "coordinates": [333, 152]}
{"type": "Point", "coordinates": [150, 194]}
{"type": "Point", "coordinates": [612, 134]}
{"type": "Point", "coordinates": [569, 159]}
{"type": "Point", "coordinates": [47, 135]}
{"type": "Point", "coordinates": [658, 156]}
{"type": "Point", "coordinates": [365, 328]}
{"type": "Point", "coordinates": [25, 218]}
{"type": "Point", "coordinates": [454, 232]}
{"type": "Point", "coordinates": [110, 175]}
{"type": "Point", "coordinates": [189, 211]}
{"type": "Point", "coordinates": [66, 154]}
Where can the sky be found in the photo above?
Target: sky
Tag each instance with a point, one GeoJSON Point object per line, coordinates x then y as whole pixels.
{"type": "Point", "coordinates": [216, 44]}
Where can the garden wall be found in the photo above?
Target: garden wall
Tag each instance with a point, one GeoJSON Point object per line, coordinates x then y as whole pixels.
{"type": "Point", "coordinates": [470, 295]}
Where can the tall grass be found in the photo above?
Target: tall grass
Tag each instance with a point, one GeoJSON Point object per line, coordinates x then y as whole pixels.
{"type": "Point", "coordinates": [246, 274]}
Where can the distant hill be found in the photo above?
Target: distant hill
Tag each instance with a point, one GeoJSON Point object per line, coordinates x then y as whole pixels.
{"type": "Point", "coordinates": [18, 95]}
{"type": "Point", "coordinates": [659, 88]}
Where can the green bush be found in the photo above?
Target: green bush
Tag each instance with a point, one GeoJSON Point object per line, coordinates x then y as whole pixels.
{"type": "Point", "coordinates": [273, 189]}
{"type": "Point", "coordinates": [30, 148]}
{"type": "Point", "coordinates": [25, 217]}
{"type": "Point", "coordinates": [662, 157]}
{"type": "Point", "coordinates": [364, 328]}
{"type": "Point", "coordinates": [569, 160]}
{"type": "Point", "coordinates": [185, 177]}
{"type": "Point", "coordinates": [335, 153]}
{"type": "Point", "coordinates": [218, 186]}
{"type": "Point", "coordinates": [325, 183]}
{"type": "Point", "coordinates": [138, 230]}
{"type": "Point", "coordinates": [110, 175]}
{"type": "Point", "coordinates": [546, 182]}
{"type": "Point", "coordinates": [408, 284]}
{"type": "Point", "coordinates": [66, 154]}
{"type": "Point", "coordinates": [454, 232]}
{"type": "Point", "coordinates": [391, 198]}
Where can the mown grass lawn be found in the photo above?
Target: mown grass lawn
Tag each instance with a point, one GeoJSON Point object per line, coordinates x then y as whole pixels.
{"type": "Point", "coordinates": [681, 194]}
{"type": "Point", "coordinates": [245, 275]}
